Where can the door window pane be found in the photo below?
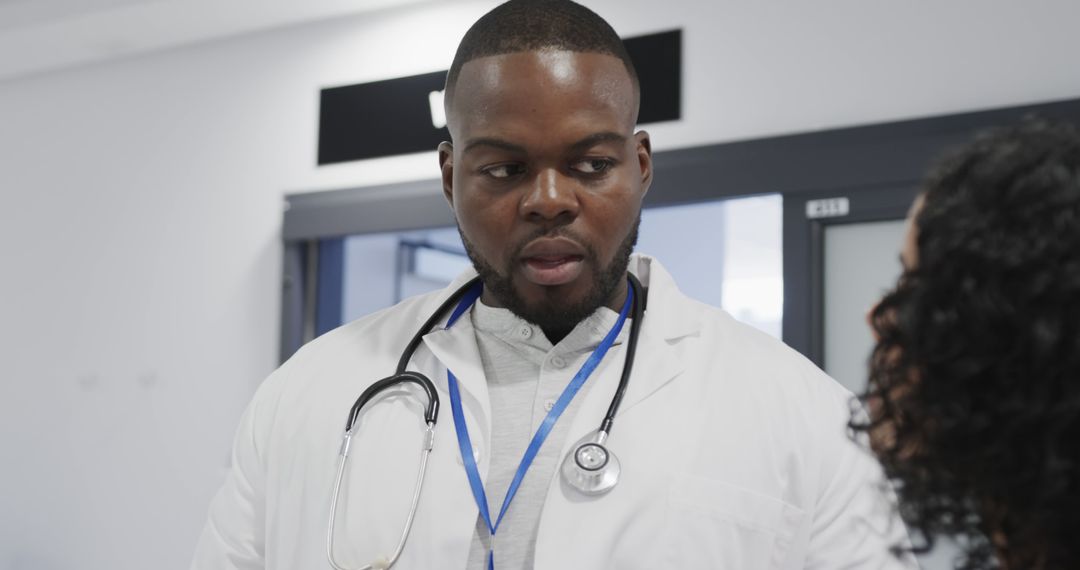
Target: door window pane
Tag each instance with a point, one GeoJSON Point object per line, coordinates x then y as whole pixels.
{"type": "Point", "coordinates": [382, 269]}
{"type": "Point", "coordinates": [725, 253]}
{"type": "Point", "coordinates": [861, 263]}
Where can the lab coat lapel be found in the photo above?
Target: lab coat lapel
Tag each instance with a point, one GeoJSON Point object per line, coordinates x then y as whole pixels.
{"type": "Point", "coordinates": [656, 365]}
{"type": "Point", "coordinates": [456, 350]}
{"type": "Point", "coordinates": [447, 513]}
{"type": "Point", "coordinates": [669, 317]}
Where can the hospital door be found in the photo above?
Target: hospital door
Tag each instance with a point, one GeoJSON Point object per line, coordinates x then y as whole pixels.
{"type": "Point", "coordinates": [851, 243]}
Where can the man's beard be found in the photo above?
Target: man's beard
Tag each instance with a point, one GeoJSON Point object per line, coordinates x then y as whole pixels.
{"type": "Point", "coordinates": [553, 316]}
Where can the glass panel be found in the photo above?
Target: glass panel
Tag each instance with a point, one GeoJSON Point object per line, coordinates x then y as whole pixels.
{"type": "Point", "coordinates": [725, 253]}
{"type": "Point", "coordinates": [382, 269]}
{"type": "Point", "coordinates": [861, 263]}
{"type": "Point", "coordinates": [754, 261]}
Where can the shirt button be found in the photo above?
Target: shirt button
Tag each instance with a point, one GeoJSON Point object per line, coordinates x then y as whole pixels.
{"type": "Point", "coordinates": [557, 362]}
{"type": "Point", "coordinates": [549, 404]}
{"type": "Point", "coordinates": [476, 456]}
{"type": "Point", "coordinates": [525, 332]}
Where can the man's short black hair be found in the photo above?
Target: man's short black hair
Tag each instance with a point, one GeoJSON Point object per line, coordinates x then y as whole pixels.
{"type": "Point", "coordinates": [536, 25]}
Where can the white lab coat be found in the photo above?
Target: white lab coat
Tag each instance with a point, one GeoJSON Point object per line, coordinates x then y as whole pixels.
{"type": "Point", "coordinates": [733, 448]}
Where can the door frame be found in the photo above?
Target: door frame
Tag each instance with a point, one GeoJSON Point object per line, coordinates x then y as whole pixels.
{"type": "Point", "coordinates": [804, 252]}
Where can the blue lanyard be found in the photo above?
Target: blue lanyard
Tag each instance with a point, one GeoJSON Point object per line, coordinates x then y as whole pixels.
{"type": "Point", "coordinates": [571, 390]}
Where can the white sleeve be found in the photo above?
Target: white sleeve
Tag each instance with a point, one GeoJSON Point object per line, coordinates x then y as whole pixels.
{"type": "Point", "coordinates": [855, 524]}
{"type": "Point", "coordinates": [235, 531]}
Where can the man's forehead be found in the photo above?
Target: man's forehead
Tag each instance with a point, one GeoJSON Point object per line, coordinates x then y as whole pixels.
{"type": "Point", "coordinates": [511, 86]}
{"type": "Point", "coordinates": [551, 69]}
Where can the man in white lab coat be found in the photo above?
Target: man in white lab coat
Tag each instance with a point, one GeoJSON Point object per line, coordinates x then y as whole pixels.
{"type": "Point", "coordinates": [733, 448]}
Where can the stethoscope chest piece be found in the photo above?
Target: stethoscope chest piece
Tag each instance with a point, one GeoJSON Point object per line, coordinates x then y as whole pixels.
{"type": "Point", "coordinates": [591, 467]}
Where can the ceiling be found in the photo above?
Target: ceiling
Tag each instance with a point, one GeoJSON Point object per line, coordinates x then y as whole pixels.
{"type": "Point", "coordinates": [44, 35]}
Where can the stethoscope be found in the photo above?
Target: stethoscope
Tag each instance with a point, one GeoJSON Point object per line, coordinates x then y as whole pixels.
{"type": "Point", "coordinates": [591, 467]}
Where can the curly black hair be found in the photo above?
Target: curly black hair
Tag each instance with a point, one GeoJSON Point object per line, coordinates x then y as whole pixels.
{"type": "Point", "coordinates": [974, 391]}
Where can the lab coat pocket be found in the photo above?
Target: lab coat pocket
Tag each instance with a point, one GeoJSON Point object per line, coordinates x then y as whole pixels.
{"type": "Point", "coordinates": [713, 524]}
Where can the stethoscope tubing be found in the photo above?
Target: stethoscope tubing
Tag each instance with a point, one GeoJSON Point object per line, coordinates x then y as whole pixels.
{"type": "Point", "coordinates": [638, 312]}
{"type": "Point", "coordinates": [440, 313]}
{"type": "Point", "coordinates": [431, 411]}
{"type": "Point", "coordinates": [429, 443]}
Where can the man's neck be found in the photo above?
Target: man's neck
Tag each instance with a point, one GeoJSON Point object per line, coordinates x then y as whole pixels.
{"type": "Point", "coordinates": [556, 335]}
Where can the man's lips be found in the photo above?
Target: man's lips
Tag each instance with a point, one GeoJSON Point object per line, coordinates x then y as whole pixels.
{"type": "Point", "coordinates": [552, 261]}
{"type": "Point", "coordinates": [552, 247]}
{"type": "Point", "coordinates": [552, 271]}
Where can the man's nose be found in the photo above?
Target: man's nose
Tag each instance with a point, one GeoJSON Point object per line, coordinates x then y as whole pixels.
{"type": "Point", "coordinates": [552, 197]}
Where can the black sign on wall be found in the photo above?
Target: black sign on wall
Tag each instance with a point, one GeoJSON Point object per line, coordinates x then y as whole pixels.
{"type": "Point", "coordinates": [399, 116]}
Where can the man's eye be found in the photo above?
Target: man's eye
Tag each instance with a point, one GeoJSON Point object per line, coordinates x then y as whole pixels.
{"type": "Point", "coordinates": [593, 165]}
{"type": "Point", "coordinates": [503, 170]}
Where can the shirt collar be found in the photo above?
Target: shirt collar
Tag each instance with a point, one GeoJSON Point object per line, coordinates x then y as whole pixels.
{"type": "Point", "coordinates": [508, 327]}
{"type": "Point", "coordinates": [679, 317]}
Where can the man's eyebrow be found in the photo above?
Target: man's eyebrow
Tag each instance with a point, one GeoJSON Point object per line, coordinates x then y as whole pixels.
{"type": "Point", "coordinates": [495, 143]}
{"type": "Point", "coordinates": [591, 140]}
{"type": "Point", "coordinates": [598, 138]}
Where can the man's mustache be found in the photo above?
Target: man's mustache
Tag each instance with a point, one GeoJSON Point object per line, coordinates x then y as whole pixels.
{"type": "Point", "coordinates": [556, 232]}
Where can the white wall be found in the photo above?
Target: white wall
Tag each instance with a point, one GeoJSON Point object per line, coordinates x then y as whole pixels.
{"type": "Point", "coordinates": [139, 227]}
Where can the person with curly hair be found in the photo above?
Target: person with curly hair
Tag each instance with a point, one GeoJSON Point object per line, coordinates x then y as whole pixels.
{"type": "Point", "coordinates": [974, 391]}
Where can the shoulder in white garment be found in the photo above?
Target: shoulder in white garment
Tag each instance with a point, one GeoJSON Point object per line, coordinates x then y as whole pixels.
{"type": "Point", "coordinates": [733, 446]}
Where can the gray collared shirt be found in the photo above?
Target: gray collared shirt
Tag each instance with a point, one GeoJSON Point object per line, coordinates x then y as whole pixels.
{"type": "Point", "coordinates": [525, 376]}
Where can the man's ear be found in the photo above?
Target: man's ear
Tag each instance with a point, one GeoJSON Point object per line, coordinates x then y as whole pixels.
{"type": "Point", "coordinates": [446, 164]}
{"type": "Point", "coordinates": [644, 155]}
